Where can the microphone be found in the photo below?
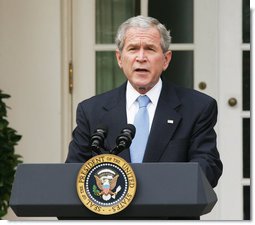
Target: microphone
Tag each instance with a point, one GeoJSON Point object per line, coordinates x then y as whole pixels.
{"type": "Point", "coordinates": [124, 140]}
{"type": "Point", "coordinates": [97, 139]}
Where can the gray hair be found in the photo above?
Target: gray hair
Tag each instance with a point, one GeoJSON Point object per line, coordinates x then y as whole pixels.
{"type": "Point", "coordinates": [143, 22]}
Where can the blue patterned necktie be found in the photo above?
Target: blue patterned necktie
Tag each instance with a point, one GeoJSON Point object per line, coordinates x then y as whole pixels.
{"type": "Point", "coordinates": [141, 123]}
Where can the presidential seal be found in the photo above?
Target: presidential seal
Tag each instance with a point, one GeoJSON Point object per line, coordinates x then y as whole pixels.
{"type": "Point", "coordinates": [106, 184]}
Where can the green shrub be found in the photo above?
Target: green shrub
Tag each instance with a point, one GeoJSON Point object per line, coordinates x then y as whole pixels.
{"type": "Point", "coordinates": [8, 159]}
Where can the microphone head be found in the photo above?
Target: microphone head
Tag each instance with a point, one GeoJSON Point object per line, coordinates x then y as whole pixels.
{"type": "Point", "coordinates": [126, 135]}
{"type": "Point", "coordinates": [97, 139]}
{"type": "Point", "coordinates": [124, 140]}
{"type": "Point", "coordinates": [101, 128]}
{"type": "Point", "coordinates": [131, 129]}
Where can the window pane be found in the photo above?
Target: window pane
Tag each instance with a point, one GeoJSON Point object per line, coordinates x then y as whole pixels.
{"type": "Point", "coordinates": [110, 14]}
{"type": "Point", "coordinates": [180, 70]}
{"type": "Point", "coordinates": [246, 148]}
{"type": "Point", "coordinates": [246, 203]}
{"type": "Point", "coordinates": [108, 73]}
{"type": "Point", "coordinates": [177, 16]}
{"type": "Point", "coordinates": [246, 80]}
{"type": "Point", "coordinates": [246, 21]}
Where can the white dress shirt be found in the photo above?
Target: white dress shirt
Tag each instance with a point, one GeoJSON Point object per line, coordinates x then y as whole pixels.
{"type": "Point", "coordinates": [132, 105]}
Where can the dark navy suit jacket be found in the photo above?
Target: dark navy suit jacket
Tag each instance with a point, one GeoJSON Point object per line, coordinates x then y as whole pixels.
{"type": "Point", "coordinates": [190, 138]}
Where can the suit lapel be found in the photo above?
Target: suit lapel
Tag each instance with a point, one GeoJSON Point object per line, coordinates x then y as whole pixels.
{"type": "Point", "coordinates": [115, 119]}
{"type": "Point", "coordinates": [162, 128]}
{"type": "Point", "coordinates": [165, 122]}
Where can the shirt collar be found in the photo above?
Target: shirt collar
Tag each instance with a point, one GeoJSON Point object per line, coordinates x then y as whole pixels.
{"type": "Point", "coordinates": [153, 94]}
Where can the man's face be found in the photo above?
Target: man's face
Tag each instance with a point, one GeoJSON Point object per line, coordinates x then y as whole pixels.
{"type": "Point", "coordinates": [142, 59]}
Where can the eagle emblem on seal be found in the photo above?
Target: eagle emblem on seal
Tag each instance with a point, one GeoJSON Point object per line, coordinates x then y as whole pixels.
{"type": "Point", "coordinates": [106, 181]}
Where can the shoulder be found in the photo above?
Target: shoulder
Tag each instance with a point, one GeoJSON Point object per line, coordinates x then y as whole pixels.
{"type": "Point", "coordinates": [104, 98]}
{"type": "Point", "coordinates": [194, 105]}
{"type": "Point", "coordinates": [191, 95]}
{"type": "Point", "coordinates": [193, 100]}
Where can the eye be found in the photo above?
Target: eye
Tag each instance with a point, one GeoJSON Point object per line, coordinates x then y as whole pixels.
{"type": "Point", "coordinates": [150, 48]}
{"type": "Point", "coordinates": [132, 48]}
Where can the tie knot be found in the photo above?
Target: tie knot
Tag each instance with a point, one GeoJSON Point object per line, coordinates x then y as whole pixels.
{"type": "Point", "coordinates": [143, 101]}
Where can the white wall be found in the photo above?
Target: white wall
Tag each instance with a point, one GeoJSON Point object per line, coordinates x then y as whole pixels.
{"type": "Point", "coordinates": [30, 71]}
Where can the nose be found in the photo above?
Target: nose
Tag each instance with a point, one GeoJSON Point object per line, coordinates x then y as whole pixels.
{"type": "Point", "coordinates": [141, 57]}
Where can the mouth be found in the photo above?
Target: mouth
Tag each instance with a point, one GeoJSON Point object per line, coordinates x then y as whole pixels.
{"type": "Point", "coordinates": [141, 70]}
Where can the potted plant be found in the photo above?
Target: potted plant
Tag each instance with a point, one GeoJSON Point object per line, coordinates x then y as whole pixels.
{"type": "Point", "coordinates": [8, 159]}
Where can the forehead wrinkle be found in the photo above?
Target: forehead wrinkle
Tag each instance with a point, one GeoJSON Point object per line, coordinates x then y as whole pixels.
{"type": "Point", "coordinates": [149, 36]}
{"type": "Point", "coordinates": [139, 34]}
{"type": "Point", "coordinates": [142, 44]}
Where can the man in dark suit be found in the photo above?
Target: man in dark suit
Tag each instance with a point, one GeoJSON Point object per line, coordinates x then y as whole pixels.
{"type": "Point", "coordinates": [180, 121]}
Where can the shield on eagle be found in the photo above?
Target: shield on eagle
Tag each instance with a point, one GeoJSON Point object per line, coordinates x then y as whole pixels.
{"type": "Point", "coordinates": [106, 181]}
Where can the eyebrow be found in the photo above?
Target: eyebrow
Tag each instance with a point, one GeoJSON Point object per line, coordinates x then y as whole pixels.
{"type": "Point", "coordinates": [150, 45]}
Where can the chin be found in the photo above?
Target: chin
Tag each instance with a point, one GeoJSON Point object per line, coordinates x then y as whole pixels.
{"type": "Point", "coordinates": [142, 83]}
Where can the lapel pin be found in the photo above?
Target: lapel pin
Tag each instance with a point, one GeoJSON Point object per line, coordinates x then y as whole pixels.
{"type": "Point", "coordinates": [170, 121]}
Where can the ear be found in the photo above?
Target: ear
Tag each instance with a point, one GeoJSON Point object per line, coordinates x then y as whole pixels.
{"type": "Point", "coordinates": [118, 57]}
{"type": "Point", "coordinates": [167, 57]}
